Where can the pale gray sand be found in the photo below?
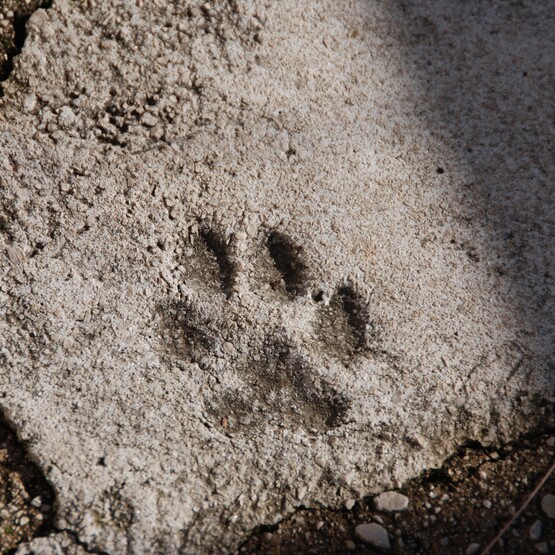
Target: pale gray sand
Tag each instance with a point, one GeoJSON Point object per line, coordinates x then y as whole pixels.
{"type": "Point", "coordinates": [251, 264]}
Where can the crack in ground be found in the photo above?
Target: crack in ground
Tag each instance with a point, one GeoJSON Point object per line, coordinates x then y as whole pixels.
{"type": "Point", "coordinates": [443, 478]}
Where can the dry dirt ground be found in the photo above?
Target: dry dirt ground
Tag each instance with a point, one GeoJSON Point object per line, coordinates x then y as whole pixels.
{"type": "Point", "coordinates": [451, 510]}
{"type": "Point", "coordinates": [456, 509]}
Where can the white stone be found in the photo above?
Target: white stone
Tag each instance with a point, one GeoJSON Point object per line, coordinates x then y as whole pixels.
{"type": "Point", "coordinates": [391, 501]}
{"type": "Point", "coordinates": [30, 102]}
{"type": "Point", "coordinates": [149, 120]}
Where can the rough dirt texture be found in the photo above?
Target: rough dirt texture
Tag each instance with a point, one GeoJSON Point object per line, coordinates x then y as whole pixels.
{"type": "Point", "coordinates": [260, 255]}
{"type": "Point", "coordinates": [463, 504]}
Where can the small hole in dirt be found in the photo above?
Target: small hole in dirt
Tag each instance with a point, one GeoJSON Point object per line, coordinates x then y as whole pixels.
{"type": "Point", "coordinates": [318, 296]}
{"type": "Point", "coordinates": [440, 170]}
{"type": "Point", "coordinates": [354, 309]}
{"type": "Point", "coordinates": [101, 461]}
{"type": "Point", "coordinates": [38, 248]}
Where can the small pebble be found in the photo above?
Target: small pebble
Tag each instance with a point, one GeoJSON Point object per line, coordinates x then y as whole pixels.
{"type": "Point", "coordinates": [542, 547]}
{"type": "Point", "coordinates": [157, 132]}
{"type": "Point", "coordinates": [30, 102]}
{"type": "Point", "coordinates": [391, 501]}
{"type": "Point", "coordinates": [548, 505]}
{"type": "Point", "coordinates": [373, 534]}
{"type": "Point", "coordinates": [15, 254]}
{"type": "Point", "coordinates": [149, 120]}
{"type": "Point", "coordinates": [350, 545]}
{"type": "Point", "coordinates": [551, 441]}
{"type": "Point", "coordinates": [487, 504]}
{"type": "Point", "coordinates": [535, 531]}
{"type": "Point", "coordinates": [229, 347]}
{"type": "Point", "coordinates": [472, 549]}
{"type": "Point", "coordinates": [482, 475]}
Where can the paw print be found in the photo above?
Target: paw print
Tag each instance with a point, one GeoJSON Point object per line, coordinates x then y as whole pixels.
{"type": "Point", "coordinates": [264, 341]}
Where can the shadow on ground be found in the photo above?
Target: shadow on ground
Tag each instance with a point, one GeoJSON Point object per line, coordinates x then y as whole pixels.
{"type": "Point", "coordinates": [486, 80]}
{"type": "Point", "coordinates": [485, 72]}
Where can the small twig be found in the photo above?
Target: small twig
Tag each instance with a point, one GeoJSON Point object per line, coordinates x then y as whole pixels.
{"type": "Point", "coordinates": [491, 544]}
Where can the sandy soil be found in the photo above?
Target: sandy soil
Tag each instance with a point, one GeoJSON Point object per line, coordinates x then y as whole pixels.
{"type": "Point", "coordinates": [264, 260]}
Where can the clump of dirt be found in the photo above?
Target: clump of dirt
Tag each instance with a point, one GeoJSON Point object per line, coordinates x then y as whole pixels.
{"type": "Point", "coordinates": [26, 499]}
{"type": "Point", "coordinates": [459, 508]}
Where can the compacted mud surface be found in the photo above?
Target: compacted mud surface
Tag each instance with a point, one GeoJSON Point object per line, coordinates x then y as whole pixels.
{"type": "Point", "coordinates": [262, 261]}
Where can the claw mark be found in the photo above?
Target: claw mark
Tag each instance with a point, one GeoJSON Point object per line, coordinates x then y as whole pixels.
{"type": "Point", "coordinates": [209, 260]}
{"type": "Point", "coordinates": [343, 326]}
{"type": "Point", "coordinates": [221, 252]}
{"type": "Point", "coordinates": [357, 317]}
{"type": "Point", "coordinates": [288, 260]}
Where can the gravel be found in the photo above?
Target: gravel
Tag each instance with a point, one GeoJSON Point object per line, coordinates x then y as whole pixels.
{"type": "Point", "coordinates": [535, 531]}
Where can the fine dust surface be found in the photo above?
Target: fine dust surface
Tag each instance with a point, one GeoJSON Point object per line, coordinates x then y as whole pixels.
{"type": "Point", "coordinates": [262, 255]}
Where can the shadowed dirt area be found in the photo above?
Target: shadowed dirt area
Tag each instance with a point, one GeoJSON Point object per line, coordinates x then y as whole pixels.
{"type": "Point", "coordinates": [13, 17]}
{"type": "Point", "coordinates": [26, 499]}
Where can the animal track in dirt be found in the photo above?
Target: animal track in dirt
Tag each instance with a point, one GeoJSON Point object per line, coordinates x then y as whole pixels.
{"type": "Point", "coordinates": [251, 322]}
